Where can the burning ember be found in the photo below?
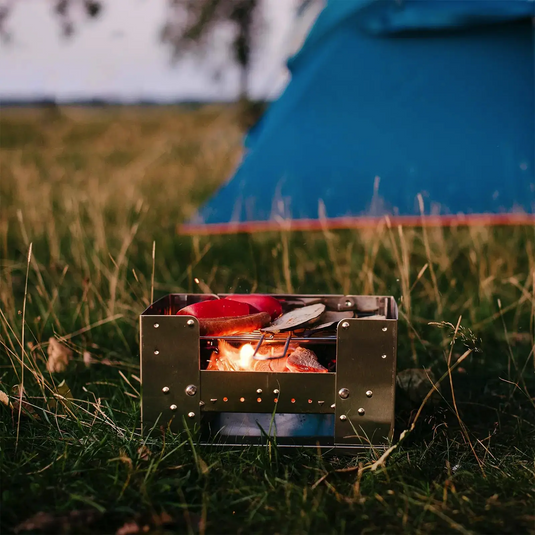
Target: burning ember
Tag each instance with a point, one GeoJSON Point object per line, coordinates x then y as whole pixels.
{"type": "Point", "coordinates": [269, 358]}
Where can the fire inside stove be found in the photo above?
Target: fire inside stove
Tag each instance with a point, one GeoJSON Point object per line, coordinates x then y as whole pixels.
{"type": "Point", "coordinates": [266, 357]}
{"type": "Point", "coordinates": [318, 372]}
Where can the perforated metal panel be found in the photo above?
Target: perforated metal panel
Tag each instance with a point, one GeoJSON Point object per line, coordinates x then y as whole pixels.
{"type": "Point", "coordinates": [365, 376]}
{"type": "Point", "coordinates": [169, 365]}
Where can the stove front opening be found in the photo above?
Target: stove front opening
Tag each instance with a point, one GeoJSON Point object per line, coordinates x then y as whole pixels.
{"type": "Point", "coordinates": [273, 416]}
{"type": "Point", "coordinates": [281, 354]}
{"type": "Point", "coordinates": [236, 426]}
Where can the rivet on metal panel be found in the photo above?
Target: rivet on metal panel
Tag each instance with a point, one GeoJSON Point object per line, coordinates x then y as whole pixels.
{"type": "Point", "coordinates": [333, 406]}
{"type": "Point", "coordinates": [383, 356]}
{"type": "Point", "coordinates": [201, 403]}
{"type": "Point", "coordinates": [345, 325]}
{"type": "Point", "coordinates": [156, 352]}
{"type": "Point", "coordinates": [191, 415]}
{"type": "Point", "coordinates": [156, 325]}
{"type": "Point", "coordinates": [242, 399]}
{"type": "Point", "coordinates": [343, 417]}
{"type": "Point", "coordinates": [259, 400]}
{"type": "Point", "coordinates": [276, 391]}
{"type": "Point", "coordinates": [190, 323]}
{"type": "Point", "coordinates": [369, 393]}
{"type": "Point", "coordinates": [321, 402]}
{"type": "Point", "coordinates": [361, 412]}
{"type": "Point", "coordinates": [213, 400]}
{"type": "Point", "coordinates": [165, 389]}
{"type": "Point", "coordinates": [349, 303]}
{"type": "Point", "coordinates": [310, 401]}
{"type": "Point", "coordinates": [258, 390]}
{"type": "Point", "coordinates": [225, 399]}
{"type": "Point", "coordinates": [343, 393]}
{"type": "Point", "coordinates": [191, 390]}
{"type": "Point", "coordinates": [385, 329]}
{"type": "Point", "coordinates": [173, 407]}
{"type": "Point", "coordinates": [293, 400]}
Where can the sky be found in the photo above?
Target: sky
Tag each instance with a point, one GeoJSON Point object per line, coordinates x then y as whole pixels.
{"type": "Point", "coordinates": [119, 56]}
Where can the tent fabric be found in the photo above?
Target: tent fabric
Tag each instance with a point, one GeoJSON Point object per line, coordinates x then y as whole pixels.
{"type": "Point", "coordinates": [383, 17]}
{"type": "Point", "coordinates": [391, 101]}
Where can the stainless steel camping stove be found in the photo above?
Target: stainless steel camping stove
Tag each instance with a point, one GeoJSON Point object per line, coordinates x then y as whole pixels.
{"type": "Point", "coordinates": [351, 406]}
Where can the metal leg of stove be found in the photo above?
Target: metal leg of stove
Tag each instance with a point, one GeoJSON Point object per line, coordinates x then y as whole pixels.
{"type": "Point", "coordinates": [365, 382]}
{"type": "Point", "coordinates": [170, 373]}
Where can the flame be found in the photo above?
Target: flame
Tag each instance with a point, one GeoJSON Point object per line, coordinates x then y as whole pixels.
{"type": "Point", "coordinates": [246, 356]}
{"type": "Point", "coordinates": [231, 358]}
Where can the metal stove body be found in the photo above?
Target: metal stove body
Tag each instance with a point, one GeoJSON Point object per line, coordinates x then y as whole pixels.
{"type": "Point", "coordinates": [349, 408]}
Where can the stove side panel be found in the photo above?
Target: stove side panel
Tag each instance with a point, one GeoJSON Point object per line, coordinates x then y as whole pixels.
{"type": "Point", "coordinates": [365, 382]}
{"type": "Point", "coordinates": [170, 372]}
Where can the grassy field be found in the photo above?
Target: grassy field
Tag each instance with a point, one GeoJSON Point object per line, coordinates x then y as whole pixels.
{"type": "Point", "coordinates": [90, 191]}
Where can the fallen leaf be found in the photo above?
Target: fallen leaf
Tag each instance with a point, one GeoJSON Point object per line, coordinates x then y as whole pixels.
{"type": "Point", "coordinates": [142, 524]}
{"type": "Point", "coordinates": [58, 356]}
{"type": "Point", "coordinates": [129, 528]}
{"type": "Point", "coordinates": [4, 399]}
{"type": "Point", "coordinates": [72, 522]}
{"type": "Point", "coordinates": [203, 466]}
{"type": "Point", "coordinates": [27, 409]}
{"type": "Point", "coordinates": [162, 519]}
{"type": "Point", "coordinates": [65, 398]}
{"type": "Point", "coordinates": [144, 453]}
{"type": "Point", "coordinates": [64, 390]}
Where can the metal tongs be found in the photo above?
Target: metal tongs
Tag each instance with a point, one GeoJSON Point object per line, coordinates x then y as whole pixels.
{"type": "Point", "coordinates": [272, 357]}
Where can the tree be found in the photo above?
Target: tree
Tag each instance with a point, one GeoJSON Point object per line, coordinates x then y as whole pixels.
{"type": "Point", "coordinates": [189, 24]}
{"type": "Point", "coordinates": [63, 9]}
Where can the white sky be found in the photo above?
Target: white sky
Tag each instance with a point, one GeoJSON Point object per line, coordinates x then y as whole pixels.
{"type": "Point", "coordinates": [119, 56]}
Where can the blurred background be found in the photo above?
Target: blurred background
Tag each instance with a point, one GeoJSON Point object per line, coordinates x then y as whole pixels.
{"type": "Point", "coordinates": [120, 119]}
{"type": "Point", "coordinates": [101, 97]}
{"type": "Point", "coordinates": [394, 108]}
{"type": "Point", "coordinates": [131, 51]}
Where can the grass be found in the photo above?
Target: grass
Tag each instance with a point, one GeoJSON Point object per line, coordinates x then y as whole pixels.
{"type": "Point", "coordinates": [91, 191]}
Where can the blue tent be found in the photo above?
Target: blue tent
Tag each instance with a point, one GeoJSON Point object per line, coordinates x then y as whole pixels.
{"type": "Point", "coordinates": [394, 105]}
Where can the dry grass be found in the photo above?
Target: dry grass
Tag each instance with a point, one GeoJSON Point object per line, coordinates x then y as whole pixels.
{"type": "Point", "coordinates": [92, 190]}
{"type": "Point", "coordinates": [88, 187]}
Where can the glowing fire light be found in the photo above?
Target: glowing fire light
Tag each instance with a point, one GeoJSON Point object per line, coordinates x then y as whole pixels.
{"type": "Point", "coordinates": [246, 356]}
{"type": "Point", "coordinates": [270, 358]}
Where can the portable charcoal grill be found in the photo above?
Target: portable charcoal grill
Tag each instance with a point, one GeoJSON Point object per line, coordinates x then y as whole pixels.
{"type": "Point", "coordinates": [349, 407]}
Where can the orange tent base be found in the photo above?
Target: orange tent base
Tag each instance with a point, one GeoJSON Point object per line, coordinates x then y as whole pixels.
{"type": "Point", "coordinates": [358, 223]}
